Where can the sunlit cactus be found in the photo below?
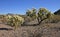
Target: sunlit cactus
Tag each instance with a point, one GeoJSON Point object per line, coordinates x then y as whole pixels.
{"type": "Point", "coordinates": [31, 13]}
{"type": "Point", "coordinates": [14, 20]}
{"type": "Point", "coordinates": [28, 13]}
{"type": "Point", "coordinates": [34, 13]}
{"type": "Point", "coordinates": [43, 14]}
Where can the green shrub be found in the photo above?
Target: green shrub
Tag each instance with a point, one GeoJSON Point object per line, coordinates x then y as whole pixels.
{"type": "Point", "coordinates": [14, 20]}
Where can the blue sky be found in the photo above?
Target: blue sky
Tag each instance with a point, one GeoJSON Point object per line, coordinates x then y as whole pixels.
{"type": "Point", "coordinates": [21, 6]}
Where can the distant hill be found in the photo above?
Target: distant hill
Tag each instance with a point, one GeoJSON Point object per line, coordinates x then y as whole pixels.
{"type": "Point", "coordinates": [57, 12]}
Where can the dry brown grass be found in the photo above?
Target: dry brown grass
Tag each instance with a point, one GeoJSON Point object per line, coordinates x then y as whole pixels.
{"type": "Point", "coordinates": [56, 17]}
{"type": "Point", "coordinates": [53, 19]}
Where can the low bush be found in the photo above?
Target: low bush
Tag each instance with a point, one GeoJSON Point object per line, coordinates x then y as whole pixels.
{"type": "Point", "coordinates": [14, 20]}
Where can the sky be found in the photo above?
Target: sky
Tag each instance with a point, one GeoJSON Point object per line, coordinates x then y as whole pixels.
{"type": "Point", "coordinates": [21, 6]}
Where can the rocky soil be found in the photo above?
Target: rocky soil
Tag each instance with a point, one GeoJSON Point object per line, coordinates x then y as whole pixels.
{"type": "Point", "coordinates": [43, 30]}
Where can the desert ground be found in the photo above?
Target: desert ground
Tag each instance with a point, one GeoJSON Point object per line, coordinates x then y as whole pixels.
{"type": "Point", "coordinates": [42, 30]}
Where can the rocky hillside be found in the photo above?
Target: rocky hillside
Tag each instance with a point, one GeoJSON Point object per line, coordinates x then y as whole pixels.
{"type": "Point", "coordinates": [57, 12]}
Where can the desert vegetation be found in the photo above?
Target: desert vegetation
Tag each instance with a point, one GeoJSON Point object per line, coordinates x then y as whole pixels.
{"type": "Point", "coordinates": [42, 14]}
{"type": "Point", "coordinates": [47, 21]}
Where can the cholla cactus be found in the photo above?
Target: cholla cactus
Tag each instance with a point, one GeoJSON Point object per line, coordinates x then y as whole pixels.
{"type": "Point", "coordinates": [43, 14]}
{"type": "Point", "coordinates": [14, 20]}
{"type": "Point", "coordinates": [32, 13]}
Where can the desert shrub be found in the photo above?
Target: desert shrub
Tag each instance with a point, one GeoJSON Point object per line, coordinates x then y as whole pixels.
{"type": "Point", "coordinates": [43, 14]}
{"type": "Point", "coordinates": [31, 13]}
{"type": "Point", "coordinates": [14, 20]}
